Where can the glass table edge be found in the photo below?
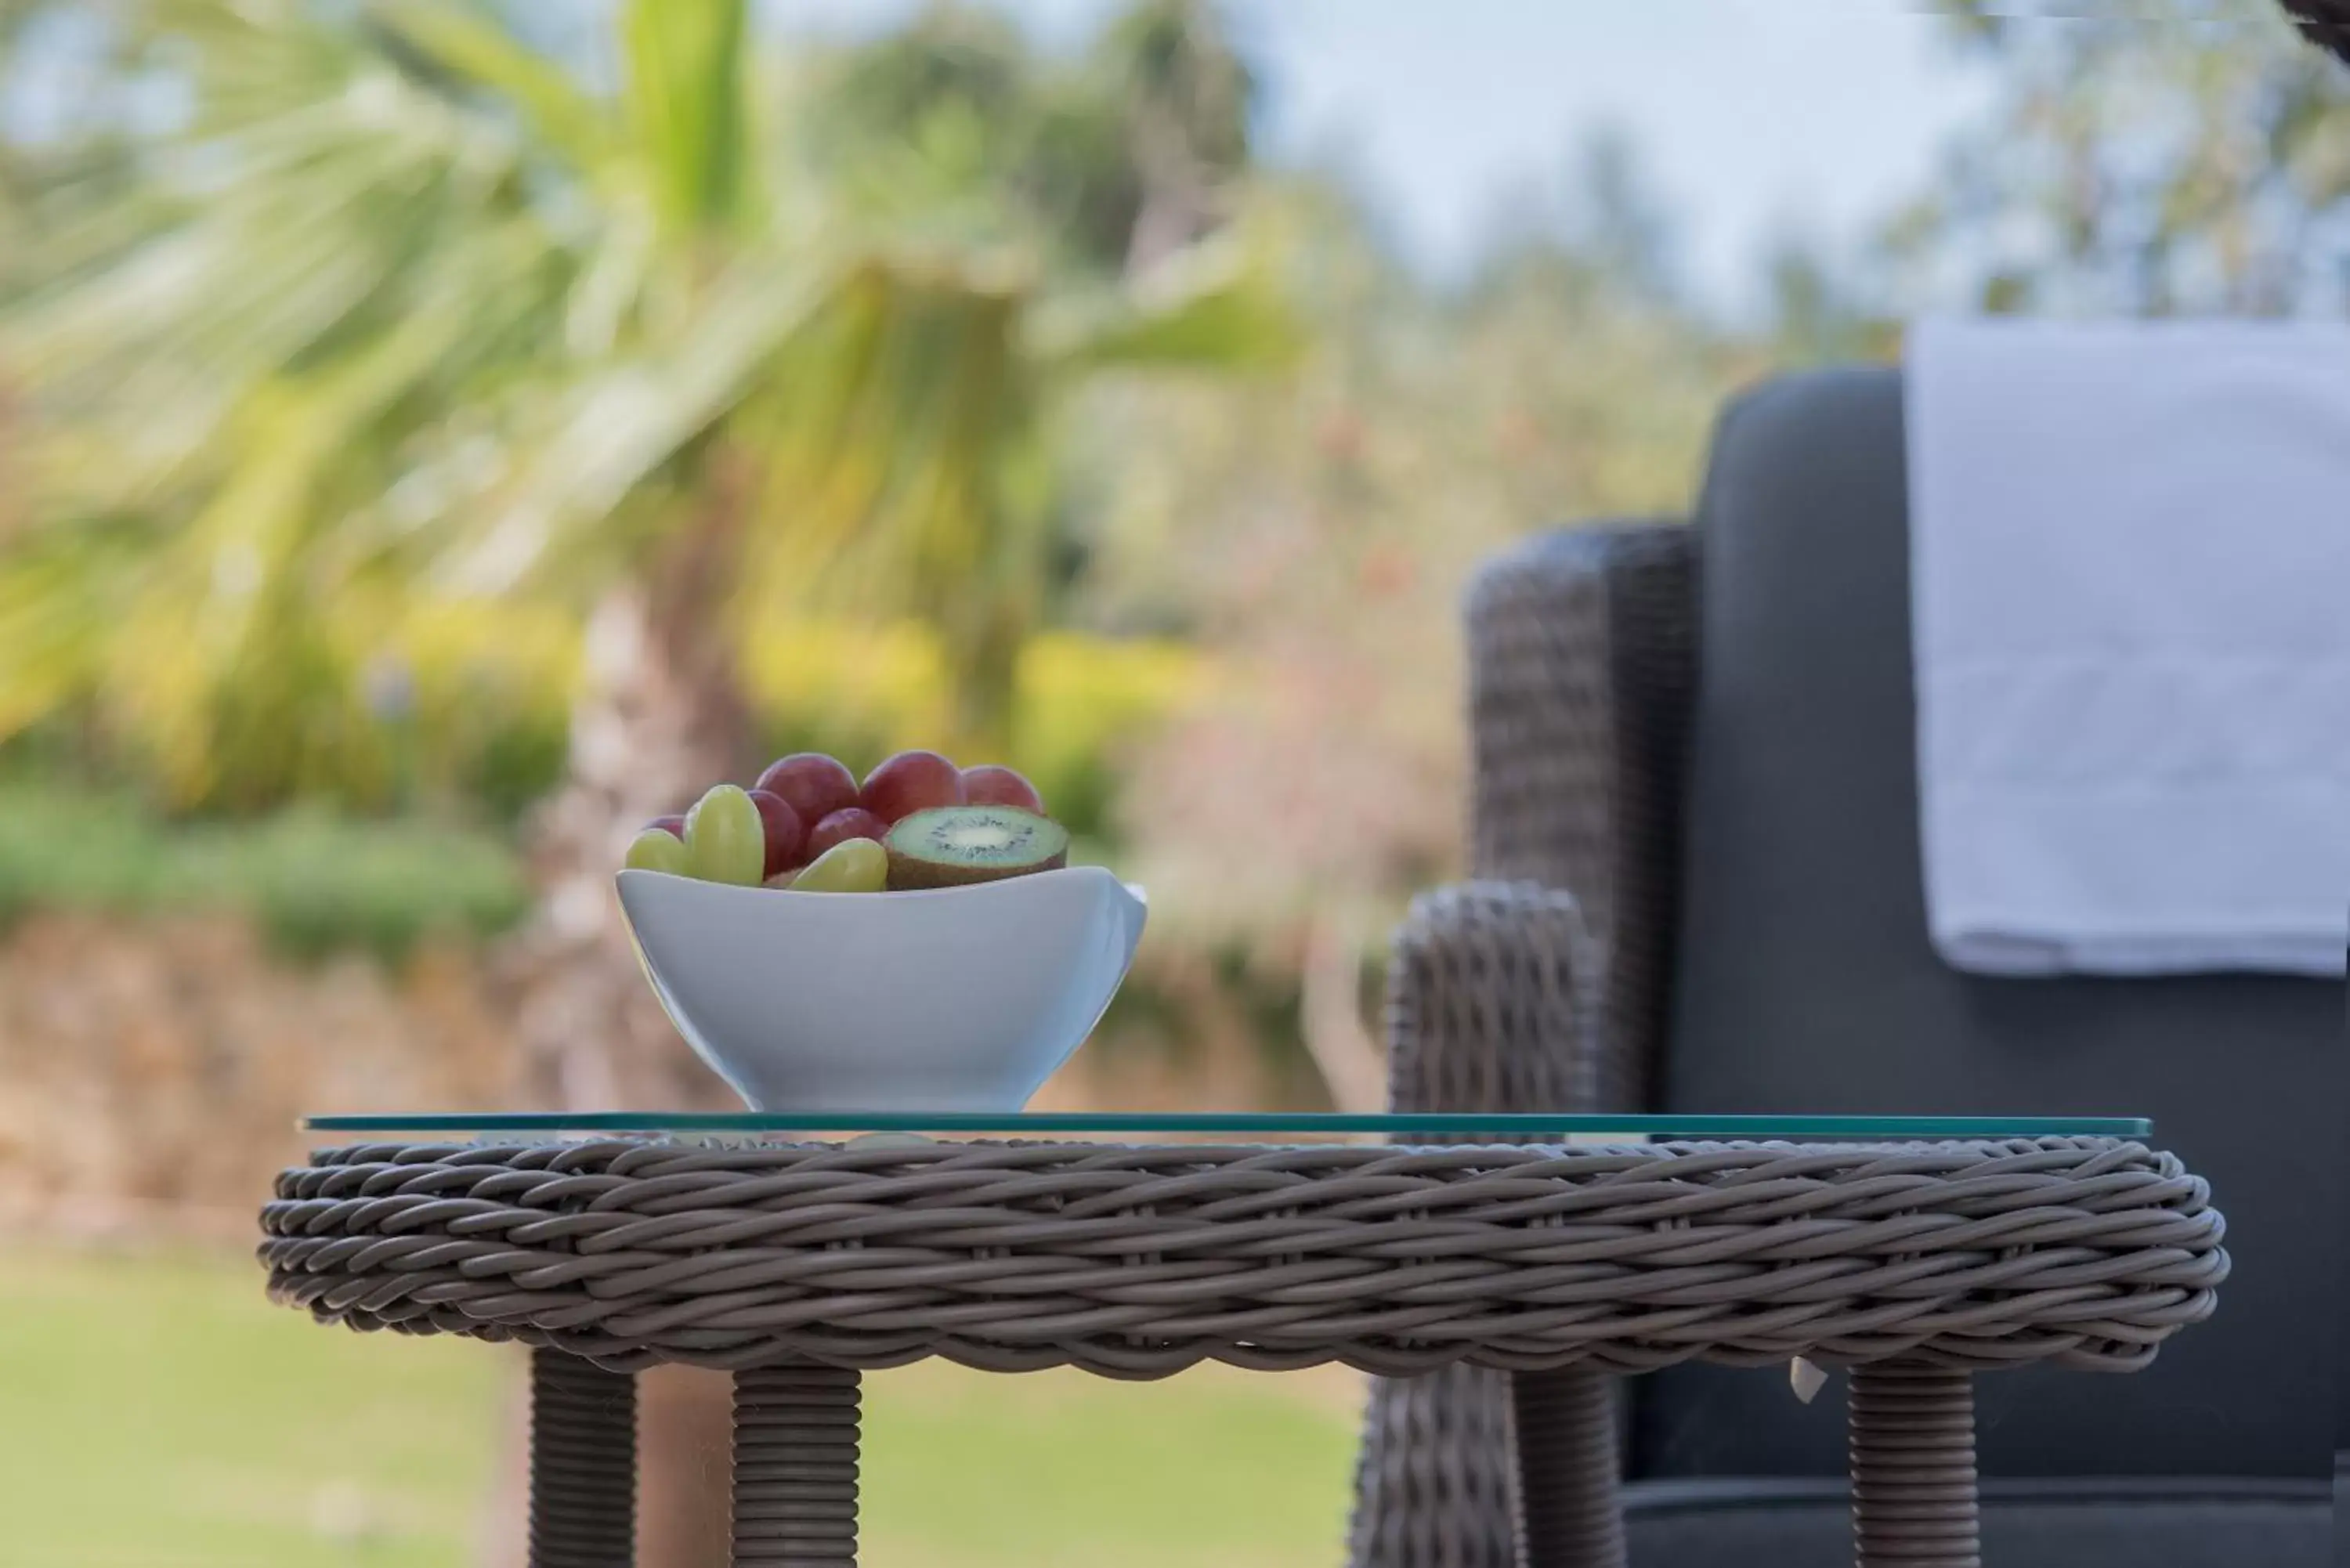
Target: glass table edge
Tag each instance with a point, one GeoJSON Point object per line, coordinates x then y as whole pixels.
{"type": "Point", "coordinates": [1253, 1123]}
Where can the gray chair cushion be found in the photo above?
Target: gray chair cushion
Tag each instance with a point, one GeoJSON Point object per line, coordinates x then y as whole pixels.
{"type": "Point", "coordinates": [2341, 1501]}
{"type": "Point", "coordinates": [2087, 1524]}
{"type": "Point", "coordinates": [1804, 982]}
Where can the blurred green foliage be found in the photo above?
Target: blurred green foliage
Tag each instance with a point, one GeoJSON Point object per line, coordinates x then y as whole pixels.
{"type": "Point", "coordinates": [417, 312]}
{"type": "Point", "coordinates": [2185, 158]}
{"type": "Point", "coordinates": [312, 882]}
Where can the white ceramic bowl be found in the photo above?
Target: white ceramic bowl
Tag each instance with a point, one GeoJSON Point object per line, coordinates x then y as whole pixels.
{"type": "Point", "coordinates": [961, 999]}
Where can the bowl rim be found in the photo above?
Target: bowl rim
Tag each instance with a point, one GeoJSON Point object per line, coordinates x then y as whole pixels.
{"type": "Point", "coordinates": [1059, 873]}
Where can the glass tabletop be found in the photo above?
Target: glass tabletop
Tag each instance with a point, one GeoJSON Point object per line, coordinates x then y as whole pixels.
{"type": "Point", "coordinates": [1244, 1123]}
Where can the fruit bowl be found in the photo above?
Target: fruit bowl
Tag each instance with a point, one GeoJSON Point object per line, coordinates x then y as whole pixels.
{"type": "Point", "coordinates": [951, 999]}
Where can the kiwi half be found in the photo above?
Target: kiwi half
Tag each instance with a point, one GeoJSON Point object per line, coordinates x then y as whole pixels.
{"type": "Point", "coordinates": [952, 846]}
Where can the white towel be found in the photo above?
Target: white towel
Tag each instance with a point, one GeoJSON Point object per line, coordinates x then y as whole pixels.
{"type": "Point", "coordinates": [2130, 575]}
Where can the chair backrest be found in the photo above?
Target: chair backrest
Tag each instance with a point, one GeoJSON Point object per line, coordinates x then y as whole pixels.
{"type": "Point", "coordinates": [1803, 982]}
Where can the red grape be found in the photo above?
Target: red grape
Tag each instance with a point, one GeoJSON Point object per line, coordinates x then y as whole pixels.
{"type": "Point", "coordinates": [672, 826]}
{"type": "Point", "coordinates": [811, 784]}
{"type": "Point", "coordinates": [992, 785]}
{"type": "Point", "coordinates": [786, 833]}
{"type": "Point", "coordinates": [911, 782]}
{"type": "Point", "coordinates": [841, 827]}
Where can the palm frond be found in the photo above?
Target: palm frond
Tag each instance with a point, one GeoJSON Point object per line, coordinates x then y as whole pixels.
{"type": "Point", "coordinates": [405, 311]}
{"type": "Point", "coordinates": [554, 111]}
{"type": "Point", "coordinates": [614, 429]}
{"type": "Point", "coordinates": [686, 92]}
{"type": "Point", "coordinates": [1216, 306]}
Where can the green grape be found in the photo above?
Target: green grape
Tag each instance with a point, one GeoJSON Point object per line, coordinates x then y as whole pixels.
{"type": "Point", "coordinates": [657, 849]}
{"type": "Point", "coordinates": [852, 866]}
{"type": "Point", "coordinates": [725, 838]}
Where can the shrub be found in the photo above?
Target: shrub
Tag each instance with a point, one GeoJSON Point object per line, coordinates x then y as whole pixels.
{"type": "Point", "coordinates": [313, 882]}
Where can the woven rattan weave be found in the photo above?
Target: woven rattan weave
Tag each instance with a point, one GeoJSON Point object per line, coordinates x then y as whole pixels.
{"type": "Point", "coordinates": [1141, 1261]}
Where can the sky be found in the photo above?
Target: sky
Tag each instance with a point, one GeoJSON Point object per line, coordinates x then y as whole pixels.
{"type": "Point", "coordinates": [1754, 115]}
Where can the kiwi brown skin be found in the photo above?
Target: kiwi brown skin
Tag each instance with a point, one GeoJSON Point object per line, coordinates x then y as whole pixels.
{"type": "Point", "coordinates": [913, 867]}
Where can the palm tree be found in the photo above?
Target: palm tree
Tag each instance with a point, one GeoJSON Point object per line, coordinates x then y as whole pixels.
{"type": "Point", "coordinates": [405, 309]}
{"type": "Point", "coordinates": [403, 304]}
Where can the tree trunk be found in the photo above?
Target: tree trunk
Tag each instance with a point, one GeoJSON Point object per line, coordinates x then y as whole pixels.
{"type": "Point", "coordinates": [1348, 1057]}
{"type": "Point", "coordinates": [660, 717]}
{"type": "Point", "coordinates": [592, 1036]}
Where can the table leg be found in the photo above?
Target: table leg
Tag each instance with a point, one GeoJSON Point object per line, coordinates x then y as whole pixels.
{"type": "Point", "coordinates": [1570, 1512]}
{"type": "Point", "coordinates": [1913, 1467]}
{"type": "Point", "coordinates": [794, 1466]}
{"type": "Point", "coordinates": [583, 1463]}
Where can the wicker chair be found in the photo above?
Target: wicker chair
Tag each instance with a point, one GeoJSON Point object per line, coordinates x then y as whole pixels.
{"type": "Point", "coordinates": [1722, 852]}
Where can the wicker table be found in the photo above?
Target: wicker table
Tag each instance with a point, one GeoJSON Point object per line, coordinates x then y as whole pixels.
{"type": "Point", "coordinates": [797, 1265]}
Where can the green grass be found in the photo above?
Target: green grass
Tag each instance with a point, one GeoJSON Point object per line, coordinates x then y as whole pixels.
{"type": "Point", "coordinates": [1213, 1470]}
{"type": "Point", "coordinates": [313, 883]}
{"type": "Point", "coordinates": [155, 1412]}
{"type": "Point", "coordinates": [159, 1413]}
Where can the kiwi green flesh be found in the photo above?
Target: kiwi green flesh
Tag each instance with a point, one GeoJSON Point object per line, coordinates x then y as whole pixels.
{"type": "Point", "coordinates": [954, 846]}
